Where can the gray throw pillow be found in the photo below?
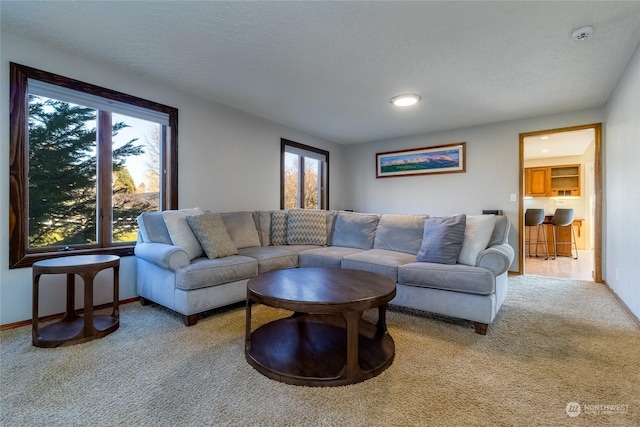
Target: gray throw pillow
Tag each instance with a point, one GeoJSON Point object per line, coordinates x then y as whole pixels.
{"type": "Point", "coordinates": [153, 228]}
{"type": "Point", "coordinates": [442, 239]}
{"type": "Point", "coordinates": [212, 234]}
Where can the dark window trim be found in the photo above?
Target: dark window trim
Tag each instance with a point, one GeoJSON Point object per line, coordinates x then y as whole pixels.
{"type": "Point", "coordinates": [18, 154]}
{"type": "Point", "coordinates": [323, 175]}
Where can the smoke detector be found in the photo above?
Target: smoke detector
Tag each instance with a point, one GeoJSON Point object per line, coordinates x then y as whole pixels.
{"type": "Point", "coordinates": [582, 33]}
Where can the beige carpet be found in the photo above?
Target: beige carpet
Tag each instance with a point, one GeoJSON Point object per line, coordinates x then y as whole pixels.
{"type": "Point", "coordinates": [554, 342]}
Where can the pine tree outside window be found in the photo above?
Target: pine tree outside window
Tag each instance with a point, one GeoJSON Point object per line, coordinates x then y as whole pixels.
{"type": "Point", "coordinates": [85, 162]}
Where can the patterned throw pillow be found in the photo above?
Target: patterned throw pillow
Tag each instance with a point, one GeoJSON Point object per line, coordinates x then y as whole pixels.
{"type": "Point", "coordinates": [278, 228]}
{"type": "Point", "coordinates": [306, 227]}
{"type": "Point", "coordinates": [212, 234]}
{"type": "Point", "coordinates": [442, 239]}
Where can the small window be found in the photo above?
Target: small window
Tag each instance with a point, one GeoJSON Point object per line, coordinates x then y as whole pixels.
{"type": "Point", "coordinates": [304, 177]}
{"type": "Point", "coordinates": [88, 162]}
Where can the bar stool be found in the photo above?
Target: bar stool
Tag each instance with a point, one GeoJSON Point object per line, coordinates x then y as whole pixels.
{"type": "Point", "coordinates": [563, 218]}
{"type": "Point", "coordinates": [535, 218]}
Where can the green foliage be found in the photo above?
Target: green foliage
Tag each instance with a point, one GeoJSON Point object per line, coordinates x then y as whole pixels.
{"type": "Point", "coordinates": [122, 181]}
{"type": "Point", "coordinates": [63, 172]}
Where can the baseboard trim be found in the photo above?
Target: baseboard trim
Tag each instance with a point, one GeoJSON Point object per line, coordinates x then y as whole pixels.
{"type": "Point", "coordinates": [622, 303]}
{"type": "Point", "coordinates": [59, 315]}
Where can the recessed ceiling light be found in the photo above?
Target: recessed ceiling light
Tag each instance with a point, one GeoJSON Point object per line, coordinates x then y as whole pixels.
{"type": "Point", "coordinates": [545, 137]}
{"type": "Point", "coordinates": [582, 33]}
{"type": "Point", "coordinates": [405, 100]}
{"type": "Point", "coordinates": [546, 150]}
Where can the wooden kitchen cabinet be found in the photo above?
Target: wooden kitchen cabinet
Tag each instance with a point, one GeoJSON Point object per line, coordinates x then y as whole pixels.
{"type": "Point", "coordinates": [536, 182]}
{"type": "Point", "coordinates": [552, 181]}
{"type": "Point", "coordinates": [564, 180]}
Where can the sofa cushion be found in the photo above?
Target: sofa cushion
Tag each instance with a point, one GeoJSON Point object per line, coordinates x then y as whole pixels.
{"type": "Point", "coordinates": [306, 227]}
{"type": "Point", "coordinates": [331, 225]}
{"type": "Point", "coordinates": [355, 230]}
{"type": "Point", "coordinates": [500, 231]}
{"type": "Point", "coordinates": [242, 229]}
{"type": "Point", "coordinates": [457, 277]}
{"type": "Point", "coordinates": [278, 228]}
{"type": "Point", "coordinates": [379, 261]}
{"type": "Point", "coordinates": [271, 258]}
{"type": "Point", "coordinates": [263, 225]}
{"type": "Point", "coordinates": [442, 239]}
{"type": "Point", "coordinates": [204, 272]}
{"type": "Point", "coordinates": [212, 234]}
{"type": "Point", "coordinates": [180, 232]}
{"type": "Point", "coordinates": [153, 228]}
{"type": "Point", "coordinates": [401, 233]}
{"type": "Point", "coordinates": [330, 256]}
{"type": "Point", "coordinates": [477, 232]}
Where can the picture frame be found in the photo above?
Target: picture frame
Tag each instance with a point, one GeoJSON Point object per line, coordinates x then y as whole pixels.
{"type": "Point", "coordinates": [449, 158]}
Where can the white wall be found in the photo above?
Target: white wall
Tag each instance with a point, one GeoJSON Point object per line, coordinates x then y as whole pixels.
{"type": "Point", "coordinates": [228, 160]}
{"type": "Point", "coordinates": [490, 180]}
{"type": "Point", "coordinates": [622, 178]}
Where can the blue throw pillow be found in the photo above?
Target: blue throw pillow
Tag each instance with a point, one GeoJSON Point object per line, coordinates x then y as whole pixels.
{"type": "Point", "coordinates": [442, 239]}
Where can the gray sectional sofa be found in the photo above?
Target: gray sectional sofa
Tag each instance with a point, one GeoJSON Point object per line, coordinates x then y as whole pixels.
{"type": "Point", "coordinates": [193, 261]}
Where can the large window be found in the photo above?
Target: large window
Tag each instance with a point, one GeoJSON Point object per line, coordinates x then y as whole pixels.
{"type": "Point", "coordinates": [85, 162]}
{"type": "Point", "coordinates": [304, 177]}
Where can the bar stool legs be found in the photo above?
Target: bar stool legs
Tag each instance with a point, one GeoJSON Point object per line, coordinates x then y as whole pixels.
{"type": "Point", "coordinates": [535, 218]}
{"type": "Point", "coordinates": [544, 240]}
{"type": "Point", "coordinates": [572, 242]}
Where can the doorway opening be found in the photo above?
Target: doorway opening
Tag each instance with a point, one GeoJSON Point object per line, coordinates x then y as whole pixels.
{"type": "Point", "coordinates": [562, 169]}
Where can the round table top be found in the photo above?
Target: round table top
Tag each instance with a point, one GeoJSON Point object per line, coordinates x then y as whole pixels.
{"type": "Point", "coordinates": [321, 289]}
{"type": "Point", "coordinates": [77, 261]}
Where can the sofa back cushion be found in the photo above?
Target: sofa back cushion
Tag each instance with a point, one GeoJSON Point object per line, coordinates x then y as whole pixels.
{"type": "Point", "coordinates": [442, 239]}
{"type": "Point", "coordinates": [477, 233]}
{"type": "Point", "coordinates": [331, 225]}
{"type": "Point", "coordinates": [263, 225]}
{"type": "Point", "coordinates": [400, 233]}
{"type": "Point", "coordinates": [153, 228]}
{"type": "Point", "coordinates": [181, 233]}
{"type": "Point", "coordinates": [355, 230]}
{"type": "Point", "coordinates": [242, 229]}
{"type": "Point", "coordinates": [500, 231]}
{"type": "Point", "coordinates": [306, 227]}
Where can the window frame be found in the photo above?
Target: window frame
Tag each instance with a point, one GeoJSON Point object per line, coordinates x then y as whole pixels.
{"type": "Point", "coordinates": [323, 172]}
{"type": "Point", "coordinates": [19, 254]}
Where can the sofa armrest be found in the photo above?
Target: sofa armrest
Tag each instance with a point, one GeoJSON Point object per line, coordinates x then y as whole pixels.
{"type": "Point", "coordinates": [496, 258]}
{"type": "Point", "coordinates": [163, 255]}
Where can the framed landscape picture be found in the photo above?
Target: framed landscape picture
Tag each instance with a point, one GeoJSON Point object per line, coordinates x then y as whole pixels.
{"type": "Point", "coordinates": [449, 158]}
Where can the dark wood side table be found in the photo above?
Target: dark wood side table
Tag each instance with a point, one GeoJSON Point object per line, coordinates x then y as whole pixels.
{"type": "Point", "coordinates": [75, 329]}
{"type": "Point", "coordinates": [326, 342]}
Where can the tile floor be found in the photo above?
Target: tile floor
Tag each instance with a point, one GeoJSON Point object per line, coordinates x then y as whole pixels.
{"type": "Point", "coordinates": [565, 267]}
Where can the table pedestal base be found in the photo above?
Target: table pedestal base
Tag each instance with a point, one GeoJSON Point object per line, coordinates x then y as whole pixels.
{"type": "Point", "coordinates": [313, 350]}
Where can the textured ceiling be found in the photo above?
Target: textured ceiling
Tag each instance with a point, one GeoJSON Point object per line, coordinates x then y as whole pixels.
{"type": "Point", "coordinates": [330, 68]}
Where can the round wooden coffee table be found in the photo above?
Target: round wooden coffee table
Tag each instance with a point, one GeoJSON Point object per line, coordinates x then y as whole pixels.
{"type": "Point", "coordinates": [326, 342]}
